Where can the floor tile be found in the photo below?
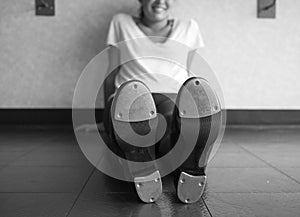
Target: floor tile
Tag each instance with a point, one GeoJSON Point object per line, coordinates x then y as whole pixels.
{"type": "Point", "coordinates": [47, 158]}
{"type": "Point", "coordinates": [292, 172]}
{"type": "Point", "coordinates": [265, 134]}
{"type": "Point", "coordinates": [281, 159]}
{"type": "Point", "coordinates": [8, 157]}
{"type": "Point", "coordinates": [267, 147]}
{"type": "Point", "coordinates": [249, 180]}
{"type": "Point", "coordinates": [240, 180]}
{"type": "Point", "coordinates": [63, 143]}
{"type": "Point", "coordinates": [22, 147]}
{"type": "Point", "coordinates": [59, 147]}
{"type": "Point", "coordinates": [252, 205]}
{"type": "Point", "coordinates": [229, 148]}
{"type": "Point", "coordinates": [43, 179]}
{"type": "Point", "coordinates": [23, 140]}
{"type": "Point", "coordinates": [127, 204]}
{"type": "Point", "coordinates": [241, 159]}
{"type": "Point", "coordinates": [100, 183]}
{"type": "Point", "coordinates": [35, 204]}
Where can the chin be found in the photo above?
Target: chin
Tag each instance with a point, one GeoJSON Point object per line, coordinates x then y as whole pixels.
{"type": "Point", "coordinates": [160, 17]}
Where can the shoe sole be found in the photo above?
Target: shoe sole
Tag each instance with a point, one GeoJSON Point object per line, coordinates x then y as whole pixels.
{"type": "Point", "coordinates": [134, 119]}
{"type": "Point", "coordinates": [197, 101]}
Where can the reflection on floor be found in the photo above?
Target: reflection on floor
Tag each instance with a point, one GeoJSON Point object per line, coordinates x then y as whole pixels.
{"type": "Point", "coordinates": [256, 172]}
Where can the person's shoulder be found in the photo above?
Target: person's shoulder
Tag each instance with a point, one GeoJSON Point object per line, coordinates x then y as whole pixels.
{"type": "Point", "coordinates": [193, 23]}
{"type": "Point", "coordinates": [120, 17]}
{"type": "Point", "coordinates": [187, 23]}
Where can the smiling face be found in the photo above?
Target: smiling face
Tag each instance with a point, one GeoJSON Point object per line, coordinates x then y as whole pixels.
{"type": "Point", "coordinates": [156, 10]}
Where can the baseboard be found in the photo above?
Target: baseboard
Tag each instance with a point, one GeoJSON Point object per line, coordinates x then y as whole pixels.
{"type": "Point", "coordinates": [64, 117]}
{"type": "Point", "coordinates": [263, 117]}
{"type": "Point", "coordinates": [42, 116]}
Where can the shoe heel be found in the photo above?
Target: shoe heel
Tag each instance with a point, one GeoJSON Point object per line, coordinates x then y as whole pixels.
{"type": "Point", "coordinates": [148, 188]}
{"type": "Point", "coordinates": [190, 188]}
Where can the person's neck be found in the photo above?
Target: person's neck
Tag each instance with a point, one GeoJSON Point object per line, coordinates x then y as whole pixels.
{"type": "Point", "coordinates": [155, 25]}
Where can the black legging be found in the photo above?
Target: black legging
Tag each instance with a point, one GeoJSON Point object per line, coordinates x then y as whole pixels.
{"type": "Point", "coordinates": [165, 105]}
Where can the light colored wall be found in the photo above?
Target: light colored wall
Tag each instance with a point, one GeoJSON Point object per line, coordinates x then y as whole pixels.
{"type": "Point", "coordinates": [257, 60]}
{"type": "Point", "coordinates": [41, 57]}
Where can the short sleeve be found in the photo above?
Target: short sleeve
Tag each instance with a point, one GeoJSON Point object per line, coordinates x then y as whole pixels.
{"type": "Point", "coordinates": [113, 35]}
{"type": "Point", "coordinates": [197, 40]}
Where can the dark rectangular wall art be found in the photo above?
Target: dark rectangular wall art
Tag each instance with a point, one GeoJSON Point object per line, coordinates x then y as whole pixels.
{"type": "Point", "coordinates": [44, 7]}
{"type": "Point", "coordinates": [266, 9]}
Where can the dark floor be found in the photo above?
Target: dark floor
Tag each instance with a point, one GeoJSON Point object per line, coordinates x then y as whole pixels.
{"type": "Point", "coordinates": [256, 172]}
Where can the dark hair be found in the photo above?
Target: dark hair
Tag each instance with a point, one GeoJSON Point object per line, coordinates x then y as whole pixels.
{"type": "Point", "coordinates": [141, 14]}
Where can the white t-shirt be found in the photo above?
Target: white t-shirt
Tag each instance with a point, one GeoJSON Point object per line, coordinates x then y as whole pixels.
{"type": "Point", "coordinates": [161, 66]}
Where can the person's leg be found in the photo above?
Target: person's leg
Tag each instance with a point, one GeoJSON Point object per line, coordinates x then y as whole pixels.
{"type": "Point", "coordinates": [165, 104]}
{"type": "Point", "coordinates": [197, 105]}
{"type": "Point", "coordinates": [131, 119]}
{"type": "Point", "coordinates": [109, 130]}
{"type": "Point", "coordinates": [106, 117]}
